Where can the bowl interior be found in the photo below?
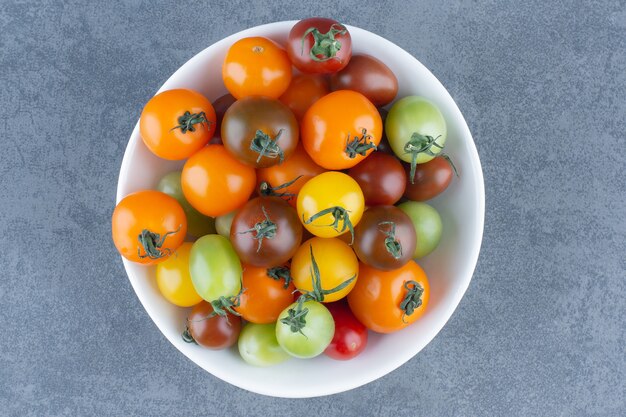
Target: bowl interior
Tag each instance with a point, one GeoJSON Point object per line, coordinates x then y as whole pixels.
{"type": "Point", "coordinates": [449, 267]}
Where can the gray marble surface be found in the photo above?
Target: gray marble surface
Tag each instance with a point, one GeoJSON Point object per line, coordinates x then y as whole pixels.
{"type": "Point", "coordinates": [541, 330]}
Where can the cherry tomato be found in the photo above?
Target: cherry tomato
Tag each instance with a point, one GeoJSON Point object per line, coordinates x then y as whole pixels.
{"type": "Point", "coordinates": [148, 226]}
{"type": "Point", "coordinates": [428, 226]}
{"type": "Point", "coordinates": [177, 123]}
{"type": "Point", "coordinates": [350, 336]}
{"type": "Point", "coordinates": [221, 105]}
{"type": "Point", "coordinates": [330, 204]}
{"type": "Point", "coordinates": [224, 222]}
{"type": "Point", "coordinates": [387, 301]}
{"type": "Point", "coordinates": [336, 262]}
{"type": "Point", "coordinates": [384, 146]}
{"type": "Point", "coordinates": [256, 66]}
{"type": "Point", "coordinates": [385, 238]}
{"type": "Point", "coordinates": [258, 345]}
{"type": "Point", "coordinates": [381, 177]}
{"type": "Point", "coordinates": [215, 183]}
{"type": "Point", "coordinates": [266, 232]}
{"type": "Point", "coordinates": [174, 280]}
{"type": "Point", "coordinates": [212, 331]}
{"type": "Point", "coordinates": [285, 180]}
{"type": "Point", "coordinates": [319, 45]}
{"type": "Point", "coordinates": [341, 129]}
{"type": "Point", "coordinates": [304, 90]}
{"type": "Point", "coordinates": [370, 77]}
{"type": "Point", "coordinates": [215, 269]}
{"type": "Point", "coordinates": [259, 131]}
{"type": "Point", "coordinates": [267, 293]}
{"type": "Point", "coordinates": [310, 340]}
{"type": "Point", "coordinates": [431, 179]}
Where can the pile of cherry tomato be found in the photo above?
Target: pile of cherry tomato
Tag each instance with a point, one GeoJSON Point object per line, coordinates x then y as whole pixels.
{"type": "Point", "coordinates": [294, 225]}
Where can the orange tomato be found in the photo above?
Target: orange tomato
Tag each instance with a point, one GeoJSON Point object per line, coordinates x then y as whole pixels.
{"type": "Point", "coordinates": [256, 66]}
{"type": "Point", "coordinates": [341, 129]}
{"type": "Point", "coordinates": [377, 297]}
{"type": "Point", "coordinates": [298, 164]}
{"type": "Point", "coordinates": [264, 297]}
{"type": "Point", "coordinates": [215, 183]}
{"type": "Point", "coordinates": [148, 226]}
{"type": "Point", "coordinates": [304, 90]}
{"type": "Point", "coordinates": [177, 123]}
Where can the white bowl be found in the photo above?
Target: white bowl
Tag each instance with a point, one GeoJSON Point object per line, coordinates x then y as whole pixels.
{"type": "Point", "coordinates": [449, 267]}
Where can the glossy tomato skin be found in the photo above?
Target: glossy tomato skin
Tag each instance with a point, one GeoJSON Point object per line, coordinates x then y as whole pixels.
{"type": "Point", "coordinates": [335, 120]}
{"type": "Point", "coordinates": [216, 332]}
{"type": "Point", "coordinates": [370, 77]}
{"type": "Point", "coordinates": [315, 336]}
{"type": "Point", "coordinates": [165, 129]}
{"type": "Point", "coordinates": [215, 268]}
{"type": "Point", "coordinates": [256, 66]}
{"type": "Point", "coordinates": [431, 179]}
{"type": "Point", "coordinates": [428, 226]}
{"type": "Point", "coordinates": [299, 164]}
{"type": "Point", "coordinates": [151, 211]}
{"type": "Point", "coordinates": [224, 222]}
{"type": "Point", "coordinates": [258, 345]}
{"type": "Point", "coordinates": [350, 336]}
{"type": "Point", "coordinates": [381, 177]}
{"type": "Point", "coordinates": [174, 280]}
{"type": "Point", "coordinates": [278, 247]}
{"type": "Point", "coordinates": [265, 297]}
{"type": "Point", "coordinates": [249, 115]}
{"type": "Point", "coordinates": [215, 183]}
{"type": "Point", "coordinates": [377, 226]}
{"type": "Point", "coordinates": [337, 264]}
{"type": "Point", "coordinates": [376, 298]}
{"type": "Point", "coordinates": [325, 191]}
{"type": "Point", "coordinates": [220, 105]}
{"type": "Point", "coordinates": [300, 53]}
{"type": "Point", "coordinates": [304, 90]}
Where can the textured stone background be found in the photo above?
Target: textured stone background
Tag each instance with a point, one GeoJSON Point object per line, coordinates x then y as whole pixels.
{"type": "Point", "coordinates": [541, 330]}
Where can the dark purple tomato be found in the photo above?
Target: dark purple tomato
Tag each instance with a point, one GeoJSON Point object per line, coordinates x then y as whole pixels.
{"type": "Point", "coordinates": [381, 177]}
{"type": "Point", "coordinates": [350, 336]}
{"type": "Point", "coordinates": [385, 238]}
{"type": "Point", "coordinates": [368, 76]}
{"type": "Point", "coordinates": [266, 232]}
{"type": "Point", "coordinates": [221, 105]}
{"type": "Point", "coordinates": [431, 179]}
{"type": "Point", "coordinates": [212, 331]}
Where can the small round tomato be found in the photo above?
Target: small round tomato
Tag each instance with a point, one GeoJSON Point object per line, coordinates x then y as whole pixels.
{"type": "Point", "coordinates": [370, 77]}
{"type": "Point", "coordinates": [215, 183]}
{"type": "Point", "coordinates": [387, 301]}
{"type": "Point", "coordinates": [267, 293]}
{"type": "Point", "coordinates": [176, 123]}
{"type": "Point", "coordinates": [210, 330]}
{"type": "Point", "coordinates": [256, 66]}
{"type": "Point", "coordinates": [259, 131]}
{"type": "Point", "coordinates": [428, 226]}
{"type": "Point", "coordinates": [311, 335]}
{"type": "Point", "coordinates": [224, 222]}
{"type": "Point", "coordinates": [337, 265]}
{"type": "Point", "coordinates": [304, 90]}
{"type": "Point", "coordinates": [330, 204]}
{"type": "Point", "coordinates": [341, 129]}
{"type": "Point", "coordinates": [385, 238]}
{"type": "Point", "coordinates": [382, 179]}
{"type": "Point", "coordinates": [319, 45]}
{"type": "Point", "coordinates": [431, 179]}
{"type": "Point", "coordinates": [148, 226]}
{"type": "Point", "coordinates": [174, 280]}
{"type": "Point", "coordinates": [350, 336]}
{"type": "Point", "coordinates": [266, 232]}
{"type": "Point", "coordinates": [221, 105]}
{"type": "Point", "coordinates": [285, 180]}
{"type": "Point", "coordinates": [258, 345]}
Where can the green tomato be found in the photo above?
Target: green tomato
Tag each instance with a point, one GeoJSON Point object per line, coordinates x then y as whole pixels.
{"type": "Point", "coordinates": [215, 268]}
{"type": "Point", "coordinates": [223, 223]}
{"type": "Point", "coordinates": [258, 345]}
{"type": "Point", "coordinates": [316, 334]}
{"type": "Point", "coordinates": [427, 223]}
{"type": "Point", "coordinates": [197, 223]}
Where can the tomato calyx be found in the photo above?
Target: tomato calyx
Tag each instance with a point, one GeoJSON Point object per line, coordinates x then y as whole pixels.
{"type": "Point", "coordinates": [265, 229]}
{"type": "Point", "coordinates": [152, 242]}
{"type": "Point", "coordinates": [449, 161]}
{"type": "Point", "coordinates": [412, 299]}
{"type": "Point", "coordinates": [188, 121]}
{"type": "Point", "coordinates": [359, 145]}
{"type": "Point", "coordinates": [325, 44]}
{"type": "Point", "coordinates": [187, 337]}
{"type": "Point", "coordinates": [391, 243]}
{"type": "Point", "coordinates": [339, 214]}
{"type": "Point", "coordinates": [266, 189]}
{"type": "Point", "coordinates": [280, 272]}
{"type": "Point", "coordinates": [264, 145]}
{"type": "Point", "coordinates": [420, 144]}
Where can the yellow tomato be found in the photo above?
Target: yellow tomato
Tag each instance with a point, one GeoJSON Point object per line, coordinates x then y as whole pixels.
{"type": "Point", "coordinates": [174, 280]}
{"type": "Point", "coordinates": [330, 204]}
{"type": "Point", "coordinates": [337, 264]}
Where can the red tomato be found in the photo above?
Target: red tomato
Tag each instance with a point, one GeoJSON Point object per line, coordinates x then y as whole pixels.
{"type": "Point", "coordinates": [350, 336]}
{"type": "Point", "coordinates": [431, 179]}
{"type": "Point", "coordinates": [221, 105]}
{"type": "Point", "coordinates": [381, 177]}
